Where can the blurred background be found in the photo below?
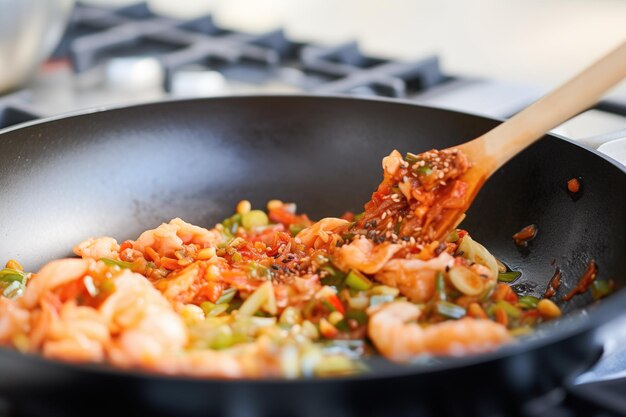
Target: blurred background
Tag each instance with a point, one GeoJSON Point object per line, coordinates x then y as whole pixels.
{"type": "Point", "coordinates": [489, 57]}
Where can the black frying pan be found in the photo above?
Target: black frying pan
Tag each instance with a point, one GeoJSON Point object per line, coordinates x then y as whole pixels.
{"type": "Point", "coordinates": [119, 172]}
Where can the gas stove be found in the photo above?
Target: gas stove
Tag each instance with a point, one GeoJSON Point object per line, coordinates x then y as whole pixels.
{"type": "Point", "coordinates": [112, 57]}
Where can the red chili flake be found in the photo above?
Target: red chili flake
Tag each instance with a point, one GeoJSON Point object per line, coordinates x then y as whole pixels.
{"type": "Point", "coordinates": [585, 281]}
{"type": "Point", "coordinates": [525, 235]}
{"type": "Point", "coordinates": [573, 185]}
{"type": "Point", "coordinates": [555, 283]}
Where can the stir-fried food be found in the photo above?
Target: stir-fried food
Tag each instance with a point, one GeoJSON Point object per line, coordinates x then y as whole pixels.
{"type": "Point", "coordinates": [274, 294]}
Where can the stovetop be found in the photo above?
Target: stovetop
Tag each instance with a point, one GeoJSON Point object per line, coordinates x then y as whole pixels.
{"type": "Point", "coordinates": [112, 57]}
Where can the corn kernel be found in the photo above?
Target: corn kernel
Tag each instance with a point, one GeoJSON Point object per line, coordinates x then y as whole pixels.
{"type": "Point", "coordinates": [335, 317]}
{"type": "Point", "coordinates": [274, 204]}
{"type": "Point", "coordinates": [13, 264]}
{"type": "Point", "coordinates": [206, 253]}
{"type": "Point", "coordinates": [548, 309]}
{"type": "Point", "coordinates": [244, 207]}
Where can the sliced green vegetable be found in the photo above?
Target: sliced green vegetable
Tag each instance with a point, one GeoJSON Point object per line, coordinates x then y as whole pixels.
{"type": "Point", "coordinates": [453, 237]}
{"type": "Point", "coordinates": [411, 157]}
{"type": "Point", "coordinates": [217, 310]}
{"type": "Point", "coordinates": [424, 170]}
{"type": "Point", "coordinates": [342, 325]}
{"type": "Point", "coordinates": [254, 218]}
{"type": "Point", "coordinates": [358, 281]}
{"type": "Point", "coordinates": [227, 295]}
{"type": "Point", "coordinates": [115, 262]}
{"type": "Point", "coordinates": [440, 287]}
{"type": "Point", "coordinates": [450, 310]}
{"type": "Point", "coordinates": [509, 276]}
{"type": "Point", "coordinates": [334, 277]}
{"type": "Point", "coordinates": [360, 316]}
{"type": "Point", "coordinates": [357, 217]}
{"type": "Point", "coordinates": [12, 282]}
{"type": "Point", "coordinates": [600, 289]}
{"type": "Point", "coordinates": [207, 306]}
{"type": "Point", "coordinates": [14, 289]}
{"type": "Point", "coordinates": [9, 275]}
{"type": "Point", "coordinates": [232, 223]}
{"type": "Point", "coordinates": [528, 302]}
{"type": "Point", "coordinates": [508, 308]}
{"type": "Point", "coordinates": [294, 229]}
{"type": "Point", "coordinates": [380, 299]}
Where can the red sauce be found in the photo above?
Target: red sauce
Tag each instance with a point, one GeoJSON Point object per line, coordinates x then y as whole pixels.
{"type": "Point", "coordinates": [573, 185]}
{"type": "Point", "coordinates": [585, 281]}
{"type": "Point", "coordinates": [525, 235]}
{"type": "Point", "coordinates": [555, 283]}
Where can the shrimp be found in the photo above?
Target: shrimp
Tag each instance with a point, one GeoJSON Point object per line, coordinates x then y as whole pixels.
{"type": "Point", "coordinates": [97, 248]}
{"type": "Point", "coordinates": [395, 334]}
{"type": "Point", "coordinates": [361, 254]}
{"type": "Point", "coordinates": [52, 275]}
{"type": "Point", "coordinates": [170, 237]}
{"type": "Point", "coordinates": [413, 277]}
{"type": "Point", "coordinates": [13, 319]}
{"type": "Point", "coordinates": [321, 230]}
{"type": "Point", "coordinates": [75, 333]}
{"type": "Point", "coordinates": [143, 324]}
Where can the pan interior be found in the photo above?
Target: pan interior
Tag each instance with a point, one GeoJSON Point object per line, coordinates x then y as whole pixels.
{"type": "Point", "coordinates": [123, 171]}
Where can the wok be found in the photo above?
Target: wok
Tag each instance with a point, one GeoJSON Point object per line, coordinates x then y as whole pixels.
{"type": "Point", "coordinates": [120, 171]}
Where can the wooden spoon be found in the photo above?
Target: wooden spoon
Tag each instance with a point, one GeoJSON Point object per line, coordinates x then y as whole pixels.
{"type": "Point", "coordinates": [490, 151]}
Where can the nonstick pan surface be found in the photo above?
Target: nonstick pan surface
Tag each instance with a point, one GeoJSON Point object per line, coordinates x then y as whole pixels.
{"type": "Point", "coordinates": [121, 171]}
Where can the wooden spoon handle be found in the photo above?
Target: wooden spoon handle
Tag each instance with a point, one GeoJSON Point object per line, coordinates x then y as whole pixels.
{"type": "Point", "coordinates": [497, 146]}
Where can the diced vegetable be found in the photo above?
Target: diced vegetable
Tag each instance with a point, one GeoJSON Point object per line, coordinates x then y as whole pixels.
{"type": "Point", "coordinates": [521, 331]}
{"type": "Point", "coordinates": [335, 317]}
{"type": "Point", "coordinates": [384, 290]}
{"type": "Point", "coordinates": [334, 277]}
{"type": "Point", "coordinates": [254, 218]}
{"type": "Point", "coordinates": [294, 229]}
{"type": "Point", "coordinates": [509, 276]}
{"type": "Point", "coordinates": [411, 157]}
{"type": "Point", "coordinates": [548, 309]}
{"type": "Point", "coordinates": [453, 237]}
{"type": "Point", "coordinates": [440, 286]}
{"type": "Point", "coordinates": [218, 309]}
{"type": "Point", "coordinates": [335, 365]}
{"type": "Point", "coordinates": [115, 262]}
{"type": "Point", "coordinates": [466, 281]}
{"type": "Point", "coordinates": [360, 316]}
{"type": "Point", "coordinates": [358, 281]}
{"type": "Point", "coordinates": [227, 296]}
{"type": "Point", "coordinates": [424, 170]}
{"type": "Point", "coordinates": [449, 310]}
{"type": "Point", "coordinates": [476, 252]}
{"type": "Point", "coordinates": [528, 302]}
{"type": "Point", "coordinates": [509, 309]}
{"type": "Point", "coordinates": [327, 329]}
{"type": "Point", "coordinates": [335, 303]}
{"type": "Point", "coordinates": [262, 297]}
{"type": "Point", "coordinates": [380, 299]}
{"type": "Point", "coordinates": [359, 302]}
{"type": "Point", "coordinates": [12, 282]}
{"type": "Point", "coordinates": [600, 289]}
{"type": "Point", "coordinates": [90, 286]}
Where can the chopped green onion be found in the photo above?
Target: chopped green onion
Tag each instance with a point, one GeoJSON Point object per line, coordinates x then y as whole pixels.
{"type": "Point", "coordinates": [357, 217]}
{"type": "Point", "coordinates": [207, 306]}
{"type": "Point", "coordinates": [227, 296]}
{"type": "Point", "coordinates": [508, 308]}
{"type": "Point", "coordinates": [217, 310]}
{"type": "Point", "coordinates": [384, 290]}
{"type": "Point", "coordinates": [294, 229]}
{"type": "Point", "coordinates": [254, 218]}
{"type": "Point", "coordinates": [424, 170]}
{"type": "Point", "coordinates": [14, 289]}
{"type": "Point", "coordinates": [380, 299]}
{"type": "Point", "coordinates": [450, 310]}
{"type": "Point", "coordinates": [342, 325]}
{"type": "Point", "coordinates": [453, 237]}
{"type": "Point", "coordinates": [600, 289]}
{"type": "Point", "coordinates": [115, 262]}
{"type": "Point", "coordinates": [334, 277]}
{"type": "Point", "coordinates": [528, 302]}
{"type": "Point", "coordinates": [358, 281]}
{"type": "Point", "coordinates": [231, 224]}
{"type": "Point", "coordinates": [411, 157]}
{"type": "Point", "coordinates": [521, 331]}
{"type": "Point", "coordinates": [9, 275]}
{"type": "Point", "coordinates": [360, 316]}
{"type": "Point", "coordinates": [440, 289]}
{"type": "Point", "coordinates": [509, 276]}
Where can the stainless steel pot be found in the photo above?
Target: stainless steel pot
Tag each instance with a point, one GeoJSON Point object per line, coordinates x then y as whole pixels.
{"type": "Point", "coordinates": [29, 30]}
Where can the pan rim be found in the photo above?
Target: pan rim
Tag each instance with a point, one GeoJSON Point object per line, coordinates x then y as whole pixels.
{"type": "Point", "coordinates": [569, 326]}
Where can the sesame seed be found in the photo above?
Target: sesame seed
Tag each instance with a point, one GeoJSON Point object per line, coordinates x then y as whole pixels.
{"type": "Point", "coordinates": [384, 216]}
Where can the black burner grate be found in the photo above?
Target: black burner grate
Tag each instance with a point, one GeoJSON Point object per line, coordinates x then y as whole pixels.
{"type": "Point", "coordinates": [97, 34]}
